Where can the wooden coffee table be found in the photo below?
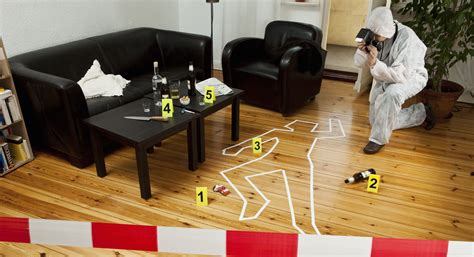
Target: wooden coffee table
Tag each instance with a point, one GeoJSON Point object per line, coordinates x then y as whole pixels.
{"type": "Point", "coordinates": [141, 135]}
{"type": "Point", "coordinates": [208, 109]}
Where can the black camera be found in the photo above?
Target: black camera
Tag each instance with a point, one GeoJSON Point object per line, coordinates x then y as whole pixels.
{"type": "Point", "coordinates": [366, 36]}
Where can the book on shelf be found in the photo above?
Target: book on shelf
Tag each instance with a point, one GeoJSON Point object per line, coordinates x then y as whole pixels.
{"type": "Point", "coordinates": [18, 148]}
{"type": "Point", "coordinates": [3, 163]}
{"type": "Point", "coordinates": [4, 112]}
{"type": "Point", "coordinates": [8, 155]}
{"type": "Point", "coordinates": [5, 93]}
{"type": "Point", "coordinates": [4, 108]}
{"type": "Point", "coordinates": [12, 105]}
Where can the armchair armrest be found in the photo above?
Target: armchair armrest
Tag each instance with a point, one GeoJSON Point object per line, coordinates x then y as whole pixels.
{"type": "Point", "coordinates": [54, 108]}
{"type": "Point", "coordinates": [237, 51]}
{"type": "Point", "coordinates": [179, 48]}
{"type": "Point", "coordinates": [301, 72]}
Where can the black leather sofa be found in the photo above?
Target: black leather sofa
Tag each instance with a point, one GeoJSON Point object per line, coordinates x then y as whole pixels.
{"type": "Point", "coordinates": [53, 103]}
{"type": "Point", "coordinates": [282, 71]}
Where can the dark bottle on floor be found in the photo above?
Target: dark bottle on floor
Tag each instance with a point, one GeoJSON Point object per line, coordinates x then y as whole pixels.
{"type": "Point", "coordinates": [192, 80]}
{"type": "Point", "coordinates": [165, 90]}
{"type": "Point", "coordinates": [359, 176]}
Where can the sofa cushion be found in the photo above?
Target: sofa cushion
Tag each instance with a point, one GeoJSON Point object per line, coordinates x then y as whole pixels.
{"type": "Point", "coordinates": [71, 60]}
{"type": "Point", "coordinates": [130, 52]}
{"type": "Point", "coordinates": [138, 87]}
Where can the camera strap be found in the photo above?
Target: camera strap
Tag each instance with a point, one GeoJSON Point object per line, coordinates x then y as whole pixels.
{"type": "Point", "coordinates": [393, 41]}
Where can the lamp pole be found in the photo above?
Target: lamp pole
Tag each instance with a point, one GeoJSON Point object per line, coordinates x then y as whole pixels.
{"type": "Point", "coordinates": [212, 32]}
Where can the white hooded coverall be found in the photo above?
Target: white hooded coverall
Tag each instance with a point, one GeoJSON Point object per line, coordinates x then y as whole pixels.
{"type": "Point", "coordinates": [398, 77]}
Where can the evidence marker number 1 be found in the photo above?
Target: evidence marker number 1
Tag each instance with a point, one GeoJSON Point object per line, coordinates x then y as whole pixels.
{"type": "Point", "coordinates": [201, 196]}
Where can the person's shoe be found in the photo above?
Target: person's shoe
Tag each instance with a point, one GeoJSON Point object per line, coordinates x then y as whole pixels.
{"type": "Point", "coordinates": [372, 148]}
{"type": "Point", "coordinates": [430, 120]}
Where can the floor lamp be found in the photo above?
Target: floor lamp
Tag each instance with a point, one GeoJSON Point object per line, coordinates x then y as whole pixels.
{"type": "Point", "coordinates": [212, 31]}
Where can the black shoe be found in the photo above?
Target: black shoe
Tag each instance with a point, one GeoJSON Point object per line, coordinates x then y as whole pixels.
{"type": "Point", "coordinates": [372, 148]}
{"type": "Point", "coordinates": [430, 120]}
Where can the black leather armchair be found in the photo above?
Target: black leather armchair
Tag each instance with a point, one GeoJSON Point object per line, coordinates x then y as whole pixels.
{"type": "Point", "coordinates": [280, 72]}
{"type": "Point", "coordinates": [53, 103]}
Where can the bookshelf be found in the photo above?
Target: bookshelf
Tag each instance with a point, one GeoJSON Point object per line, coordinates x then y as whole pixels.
{"type": "Point", "coordinates": [17, 125]}
{"type": "Point", "coordinates": [309, 11]}
{"type": "Point", "coordinates": [293, 3]}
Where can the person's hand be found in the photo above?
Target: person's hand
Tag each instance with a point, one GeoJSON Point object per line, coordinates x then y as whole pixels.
{"type": "Point", "coordinates": [372, 56]}
{"type": "Point", "coordinates": [361, 46]}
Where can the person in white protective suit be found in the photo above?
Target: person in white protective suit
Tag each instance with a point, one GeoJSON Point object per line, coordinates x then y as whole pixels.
{"type": "Point", "coordinates": [399, 72]}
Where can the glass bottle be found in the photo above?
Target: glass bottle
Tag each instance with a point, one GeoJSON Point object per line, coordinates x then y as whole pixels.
{"type": "Point", "coordinates": [165, 90]}
{"type": "Point", "coordinates": [157, 79]}
{"type": "Point", "coordinates": [192, 80]}
{"type": "Point", "coordinates": [359, 176]}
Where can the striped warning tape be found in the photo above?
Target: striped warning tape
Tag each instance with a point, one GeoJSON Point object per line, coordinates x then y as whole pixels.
{"type": "Point", "coordinates": [219, 242]}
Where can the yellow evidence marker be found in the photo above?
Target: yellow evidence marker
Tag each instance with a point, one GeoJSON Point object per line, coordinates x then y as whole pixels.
{"type": "Point", "coordinates": [201, 196]}
{"type": "Point", "coordinates": [167, 108]}
{"type": "Point", "coordinates": [209, 95]}
{"type": "Point", "coordinates": [373, 184]}
{"type": "Point", "coordinates": [257, 145]}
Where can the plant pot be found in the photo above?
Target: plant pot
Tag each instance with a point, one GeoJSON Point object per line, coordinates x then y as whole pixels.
{"type": "Point", "coordinates": [442, 102]}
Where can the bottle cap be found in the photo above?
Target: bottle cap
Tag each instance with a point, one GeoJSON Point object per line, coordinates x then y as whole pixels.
{"type": "Point", "coordinates": [155, 64]}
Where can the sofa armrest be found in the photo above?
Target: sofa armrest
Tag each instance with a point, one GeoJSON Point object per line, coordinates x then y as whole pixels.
{"type": "Point", "coordinates": [238, 51]}
{"type": "Point", "coordinates": [54, 108]}
{"type": "Point", "coordinates": [178, 49]}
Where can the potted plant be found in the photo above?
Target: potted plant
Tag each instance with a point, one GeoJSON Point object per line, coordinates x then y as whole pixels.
{"type": "Point", "coordinates": [447, 29]}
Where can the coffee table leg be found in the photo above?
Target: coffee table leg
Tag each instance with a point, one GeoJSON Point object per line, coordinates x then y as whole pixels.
{"type": "Point", "coordinates": [150, 150]}
{"type": "Point", "coordinates": [201, 140]}
{"type": "Point", "coordinates": [98, 151]}
{"type": "Point", "coordinates": [192, 145]}
{"type": "Point", "coordinates": [235, 118]}
{"type": "Point", "coordinates": [143, 175]}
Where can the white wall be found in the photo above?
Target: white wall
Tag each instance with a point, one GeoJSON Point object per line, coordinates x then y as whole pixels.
{"type": "Point", "coordinates": [195, 17]}
{"type": "Point", "coordinates": [27, 25]}
{"type": "Point", "coordinates": [232, 19]}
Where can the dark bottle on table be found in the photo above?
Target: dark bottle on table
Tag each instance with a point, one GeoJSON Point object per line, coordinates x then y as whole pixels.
{"type": "Point", "coordinates": [359, 176]}
{"type": "Point", "coordinates": [192, 80]}
{"type": "Point", "coordinates": [165, 90]}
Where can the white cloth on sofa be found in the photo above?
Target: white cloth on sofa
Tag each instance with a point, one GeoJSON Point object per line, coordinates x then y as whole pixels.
{"type": "Point", "coordinates": [96, 83]}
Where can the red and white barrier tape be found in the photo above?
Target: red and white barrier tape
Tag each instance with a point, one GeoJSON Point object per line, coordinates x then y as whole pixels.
{"type": "Point", "coordinates": [219, 242]}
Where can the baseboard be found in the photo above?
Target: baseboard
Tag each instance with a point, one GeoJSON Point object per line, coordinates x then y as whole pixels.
{"type": "Point", "coordinates": [340, 75]}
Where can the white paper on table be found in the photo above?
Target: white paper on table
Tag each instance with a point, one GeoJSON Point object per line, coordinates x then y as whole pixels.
{"type": "Point", "coordinates": [220, 87]}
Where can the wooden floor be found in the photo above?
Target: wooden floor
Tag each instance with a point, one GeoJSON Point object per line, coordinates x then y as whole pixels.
{"type": "Point", "coordinates": [427, 190]}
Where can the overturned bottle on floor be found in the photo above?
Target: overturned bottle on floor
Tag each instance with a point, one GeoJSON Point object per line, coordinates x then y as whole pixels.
{"type": "Point", "coordinates": [359, 176]}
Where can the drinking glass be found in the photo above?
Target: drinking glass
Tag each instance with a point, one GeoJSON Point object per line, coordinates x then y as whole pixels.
{"type": "Point", "coordinates": [201, 100]}
{"type": "Point", "coordinates": [157, 98]}
{"type": "Point", "coordinates": [174, 89]}
{"type": "Point", "coordinates": [146, 106]}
